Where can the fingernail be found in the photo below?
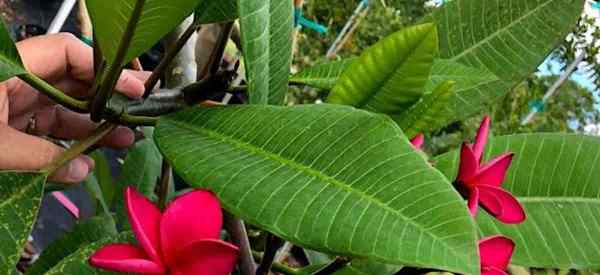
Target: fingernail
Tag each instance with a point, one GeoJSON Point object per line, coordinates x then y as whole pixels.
{"type": "Point", "coordinates": [78, 170]}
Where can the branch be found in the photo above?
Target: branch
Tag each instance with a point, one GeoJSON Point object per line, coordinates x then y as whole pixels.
{"type": "Point", "coordinates": [336, 265]}
{"type": "Point", "coordinates": [168, 57]}
{"type": "Point", "coordinates": [54, 93]}
{"type": "Point", "coordinates": [165, 179]}
{"type": "Point", "coordinates": [110, 79]}
{"type": "Point", "coordinates": [216, 56]}
{"type": "Point", "coordinates": [237, 230]}
{"type": "Point", "coordinates": [277, 267]}
{"type": "Point", "coordinates": [80, 147]}
{"type": "Point", "coordinates": [272, 246]}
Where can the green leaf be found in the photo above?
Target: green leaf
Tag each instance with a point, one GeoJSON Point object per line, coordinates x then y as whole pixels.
{"type": "Point", "coordinates": [212, 11]}
{"type": "Point", "coordinates": [77, 262]}
{"type": "Point", "coordinates": [266, 27]}
{"type": "Point", "coordinates": [429, 113]}
{"type": "Point", "coordinates": [323, 75]}
{"type": "Point", "coordinates": [508, 38]}
{"type": "Point", "coordinates": [475, 89]}
{"type": "Point", "coordinates": [554, 176]}
{"type": "Point", "coordinates": [348, 270]}
{"type": "Point", "coordinates": [84, 233]}
{"type": "Point", "coordinates": [357, 266]}
{"type": "Point", "coordinates": [20, 197]}
{"type": "Point", "coordinates": [157, 19]}
{"type": "Point", "coordinates": [10, 61]}
{"type": "Point", "coordinates": [92, 186]}
{"type": "Point", "coordinates": [326, 177]}
{"type": "Point", "coordinates": [103, 177]}
{"type": "Point", "coordinates": [141, 170]}
{"type": "Point", "coordinates": [389, 76]}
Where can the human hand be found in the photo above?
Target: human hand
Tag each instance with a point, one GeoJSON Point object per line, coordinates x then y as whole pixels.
{"type": "Point", "coordinates": [66, 63]}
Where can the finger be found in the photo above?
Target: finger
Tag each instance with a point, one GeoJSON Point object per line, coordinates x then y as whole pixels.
{"type": "Point", "coordinates": [28, 153]}
{"type": "Point", "coordinates": [64, 124]}
{"type": "Point", "coordinates": [65, 55]}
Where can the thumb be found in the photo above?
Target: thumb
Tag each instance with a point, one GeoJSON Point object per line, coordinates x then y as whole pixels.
{"type": "Point", "coordinates": [24, 152]}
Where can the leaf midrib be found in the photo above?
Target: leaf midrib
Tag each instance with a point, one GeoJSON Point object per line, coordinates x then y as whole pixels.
{"type": "Point", "coordinates": [497, 33]}
{"type": "Point", "coordinates": [308, 170]}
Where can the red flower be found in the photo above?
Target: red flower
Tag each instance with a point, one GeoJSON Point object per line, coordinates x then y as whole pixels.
{"type": "Point", "coordinates": [418, 141]}
{"type": "Point", "coordinates": [481, 184]}
{"type": "Point", "coordinates": [184, 240]}
{"type": "Point", "coordinates": [495, 253]}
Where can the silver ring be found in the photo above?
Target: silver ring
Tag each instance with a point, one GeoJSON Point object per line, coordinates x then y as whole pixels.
{"type": "Point", "coordinates": [31, 125]}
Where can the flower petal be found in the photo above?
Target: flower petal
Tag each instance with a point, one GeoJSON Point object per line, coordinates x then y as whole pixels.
{"type": "Point", "coordinates": [124, 258]}
{"type": "Point", "coordinates": [418, 141]}
{"type": "Point", "coordinates": [206, 257]}
{"type": "Point", "coordinates": [468, 164]}
{"type": "Point", "coordinates": [481, 138]}
{"type": "Point", "coordinates": [494, 172]}
{"type": "Point", "coordinates": [473, 202]}
{"type": "Point", "coordinates": [495, 252]}
{"type": "Point", "coordinates": [189, 218]}
{"type": "Point", "coordinates": [509, 211]}
{"type": "Point", "coordinates": [492, 271]}
{"type": "Point", "coordinates": [144, 218]}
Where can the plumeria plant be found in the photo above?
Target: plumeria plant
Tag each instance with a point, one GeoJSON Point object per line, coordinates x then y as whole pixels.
{"type": "Point", "coordinates": [331, 188]}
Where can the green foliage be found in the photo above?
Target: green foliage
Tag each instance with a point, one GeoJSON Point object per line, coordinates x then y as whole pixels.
{"type": "Point", "coordinates": [266, 28]}
{"type": "Point", "coordinates": [10, 61]}
{"type": "Point", "coordinates": [84, 233]}
{"type": "Point", "coordinates": [357, 266]}
{"type": "Point", "coordinates": [323, 75]}
{"type": "Point", "coordinates": [371, 191]}
{"type": "Point", "coordinates": [508, 38]}
{"type": "Point", "coordinates": [553, 176]}
{"type": "Point", "coordinates": [157, 19]}
{"type": "Point", "coordinates": [427, 114]}
{"type": "Point", "coordinates": [77, 262]}
{"type": "Point", "coordinates": [141, 170]}
{"type": "Point", "coordinates": [211, 11]}
{"type": "Point", "coordinates": [389, 76]}
{"type": "Point", "coordinates": [20, 198]}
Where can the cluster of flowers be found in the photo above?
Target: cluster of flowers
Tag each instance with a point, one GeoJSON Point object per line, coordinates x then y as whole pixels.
{"type": "Point", "coordinates": [480, 183]}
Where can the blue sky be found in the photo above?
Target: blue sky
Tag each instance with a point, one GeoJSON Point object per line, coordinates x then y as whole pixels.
{"type": "Point", "coordinates": [552, 67]}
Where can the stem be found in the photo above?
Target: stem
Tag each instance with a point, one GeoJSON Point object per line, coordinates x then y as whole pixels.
{"type": "Point", "coordinates": [80, 147]}
{"type": "Point", "coordinates": [168, 57]}
{"type": "Point", "coordinates": [408, 270]}
{"type": "Point", "coordinates": [237, 230]}
{"type": "Point", "coordinates": [111, 78]}
{"type": "Point", "coordinates": [336, 265]}
{"type": "Point", "coordinates": [216, 56]}
{"type": "Point", "coordinates": [273, 245]}
{"type": "Point", "coordinates": [54, 93]}
{"type": "Point", "coordinates": [165, 179]}
{"type": "Point", "coordinates": [277, 267]}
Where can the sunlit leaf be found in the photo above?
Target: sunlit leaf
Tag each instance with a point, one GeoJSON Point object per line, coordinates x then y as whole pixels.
{"type": "Point", "coordinates": [327, 177]}
{"type": "Point", "coordinates": [10, 61]}
{"type": "Point", "coordinates": [389, 76]}
{"type": "Point", "coordinates": [211, 11]}
{"type": "Point", "coordinates": [555, 178]}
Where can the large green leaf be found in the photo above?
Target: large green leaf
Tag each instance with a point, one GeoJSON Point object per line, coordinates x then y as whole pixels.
{"type": "Point", "coordinates": [429, 113]}
{"type": "Point", "coordinates": [159, 17]}
{"type": "Point", "coordinates": [211, 11]}
{"type": "Point", "coordinates": [77, 262]}
{"type": "Point", "coordinates": [555, 177]}
{"type": "Point", "coordinates": [323, 75]}
{"type": "Point", "coordinates": [327, 177]}
{"type": "Point", "coordinates": [266, 27]}
{"type": "Point", "coordinates": [141, 170]}
{"type": "Point", "coordinates": [508, 38]}
{"type": "Point", "coordinates": [84, 233]}
{"type": "Point", "coordinates": [474, 90]}
{"type": "Point", "coordinates": [20, 198]}
{"type": "Point", "coordinates": [10, 61]}
{"type": "Point", "coordinates": [389, 76]}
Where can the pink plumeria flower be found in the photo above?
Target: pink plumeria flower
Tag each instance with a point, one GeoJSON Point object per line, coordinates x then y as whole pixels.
{"type": "Point", "coordinates": [418, 141]}
{"type": "Point", "coordinates": [184, 240]}
{"type": "Point", "coordinates": [495, 253]}
{"type": "Point", "coordinates": [481, 184]}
